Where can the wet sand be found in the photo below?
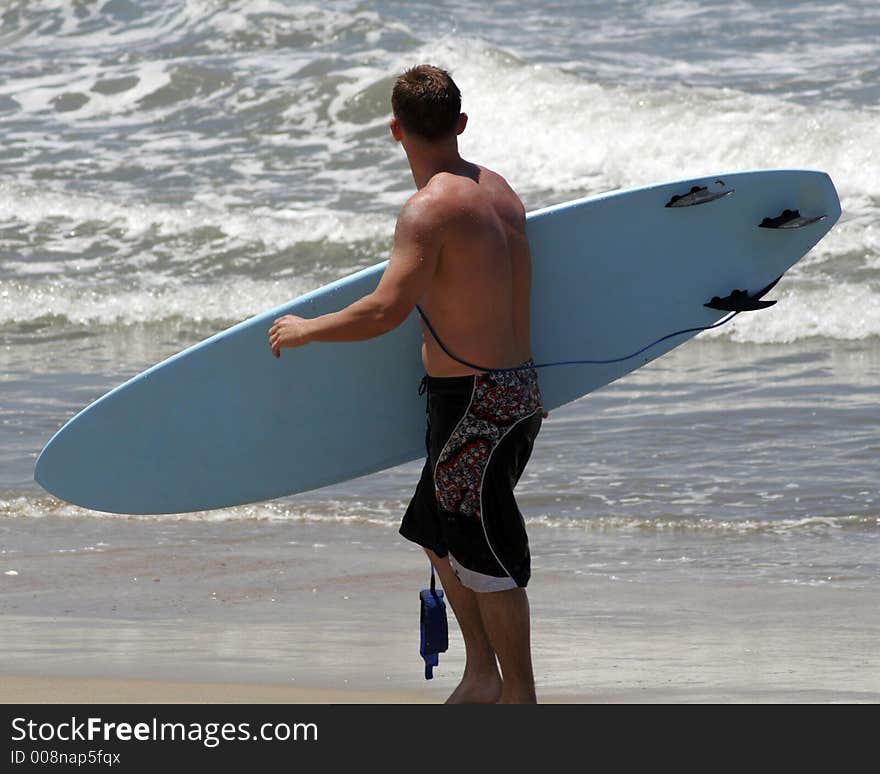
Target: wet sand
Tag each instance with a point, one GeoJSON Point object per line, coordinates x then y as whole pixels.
{"type": "Point", "coordinates": [177, 611]}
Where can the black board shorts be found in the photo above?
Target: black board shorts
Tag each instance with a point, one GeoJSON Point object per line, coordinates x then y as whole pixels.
{"type": "Point", "coordinates": [481, 430]}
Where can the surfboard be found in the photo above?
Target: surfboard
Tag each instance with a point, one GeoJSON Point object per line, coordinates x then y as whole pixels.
{"type": "Point", "coordinates": [225, 423]}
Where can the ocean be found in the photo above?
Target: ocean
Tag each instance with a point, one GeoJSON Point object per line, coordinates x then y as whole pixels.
{"type": "Point", "coordinates": [171, 167]}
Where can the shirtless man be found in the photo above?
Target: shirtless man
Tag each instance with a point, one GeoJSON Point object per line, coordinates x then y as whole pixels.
{"type": "Point", "coordinates": [460, 253]}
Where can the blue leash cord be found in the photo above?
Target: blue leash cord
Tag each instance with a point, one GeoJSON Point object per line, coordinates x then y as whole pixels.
{"type": "Point", "coordinates": [570, 362]}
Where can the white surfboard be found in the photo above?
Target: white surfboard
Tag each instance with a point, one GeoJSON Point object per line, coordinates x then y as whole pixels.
{"type": "Point", "coordinates": [224, 422]}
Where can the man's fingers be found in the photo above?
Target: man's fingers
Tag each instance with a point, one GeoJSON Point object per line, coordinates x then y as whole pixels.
{"type": "Point", "coordinates": [275, 336]}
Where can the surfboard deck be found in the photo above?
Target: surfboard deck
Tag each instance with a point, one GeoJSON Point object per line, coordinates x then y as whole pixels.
{"type": "Point", "coordinates": [225, 423]}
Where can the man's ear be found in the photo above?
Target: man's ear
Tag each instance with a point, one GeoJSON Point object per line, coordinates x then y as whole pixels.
{"type": "Point", "coordinates": [462, 123]}
{"type": "Point", "coordinates": [396, 131]}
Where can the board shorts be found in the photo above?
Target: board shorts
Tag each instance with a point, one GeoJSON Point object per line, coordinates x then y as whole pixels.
{"type": "Point", "coordinates": [481, 430]}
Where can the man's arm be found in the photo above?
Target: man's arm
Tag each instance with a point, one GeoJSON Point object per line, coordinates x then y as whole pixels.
{"type": "Point", "coordinates": [417, 241]}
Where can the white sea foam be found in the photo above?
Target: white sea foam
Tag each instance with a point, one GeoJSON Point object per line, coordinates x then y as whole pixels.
{"type": "Point", "coordinates": [37, 95]}
{"type": "Point", "coordinates": [386, 514]}
{"type": "Point", "coordinates": [238, 299]}
{"type": "Point", "coordinates": [838, 311]}
{"type": "Point", "coordinates": [326, 172]}
{"type": "Point", "coordinates": [279, 229]}
{"type": "Point", "coordinates": [809, 525]}
{"type": "Point", "coordinates": [378, 513]}
{"type": "Point", "coordinates": [550, 129]}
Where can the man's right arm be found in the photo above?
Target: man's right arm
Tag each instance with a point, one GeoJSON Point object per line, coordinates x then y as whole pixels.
{"type": "Point", "coordinates": [417, 242]}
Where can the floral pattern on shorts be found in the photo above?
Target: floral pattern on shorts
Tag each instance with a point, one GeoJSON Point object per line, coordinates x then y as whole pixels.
{"type": "Point", "coordinates": [500, 399]}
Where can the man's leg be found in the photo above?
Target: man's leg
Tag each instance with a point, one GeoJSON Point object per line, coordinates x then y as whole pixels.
{"type": "Point", "coordinates": [481, 682]}
{"type": "Point", "coordinates": [505, 618]}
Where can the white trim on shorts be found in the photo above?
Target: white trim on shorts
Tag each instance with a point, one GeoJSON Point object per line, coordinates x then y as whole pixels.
{"type": "Point", "coordinates": [477, 581]}
{"type": "Point", "coordinates": [483, 480]}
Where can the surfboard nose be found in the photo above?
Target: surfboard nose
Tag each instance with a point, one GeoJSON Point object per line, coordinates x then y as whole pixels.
{"type": "Point", "coordinates": [59, 473]}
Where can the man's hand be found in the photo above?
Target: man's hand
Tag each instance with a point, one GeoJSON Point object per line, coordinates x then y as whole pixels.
{"type": "Point", "coordinates": [288, 331]}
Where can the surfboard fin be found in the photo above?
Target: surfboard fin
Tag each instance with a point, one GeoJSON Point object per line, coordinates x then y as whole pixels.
{"type": "Point", "coordinates": [699, 195]}
{"type": "Point", "coordinates": [742, 300]}
{"type": "Point", "coordinates": [789, 219]}
{"type": "Point", "coordinates": [434, 629]}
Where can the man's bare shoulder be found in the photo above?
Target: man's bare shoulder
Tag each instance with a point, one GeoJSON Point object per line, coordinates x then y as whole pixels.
{"type": "Point", "coordinates": [478, 179]}
{"type": "Point", "coordinates": [442, 198]}
{"type": "Point", "coordinates": [425, 209]}
{"type": "Point", "coordinates": [449, 198]}
{"type": "Point", "coordinates": [459, 191]}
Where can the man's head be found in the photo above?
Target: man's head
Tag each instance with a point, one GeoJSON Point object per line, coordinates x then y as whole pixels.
{"type": "Point", "coordinates": [427, 103]}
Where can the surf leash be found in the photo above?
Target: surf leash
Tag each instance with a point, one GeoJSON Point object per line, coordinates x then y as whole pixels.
{"type": "Point", "coordinates": [430, 327]}
{"type": "Point", "coordinates": [734, 303]}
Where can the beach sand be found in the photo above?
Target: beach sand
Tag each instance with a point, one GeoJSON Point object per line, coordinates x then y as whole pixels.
{"type": "Point", "coordinates": [17, 689]}
{"type": "Point", "coordinates": [139, 610]}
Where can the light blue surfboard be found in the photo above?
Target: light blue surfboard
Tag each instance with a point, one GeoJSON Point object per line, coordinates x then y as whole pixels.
{"type": "Point", "coordinates": [224, 422]}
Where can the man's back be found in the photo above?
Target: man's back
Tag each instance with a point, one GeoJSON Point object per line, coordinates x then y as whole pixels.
{"type": "Point", "coordinates": [478, 299]}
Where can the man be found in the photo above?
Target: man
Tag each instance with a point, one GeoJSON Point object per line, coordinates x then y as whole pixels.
{"type": "Point", "coordinates": [461, 254]}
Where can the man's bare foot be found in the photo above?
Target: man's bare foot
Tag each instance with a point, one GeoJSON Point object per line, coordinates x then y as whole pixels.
{"type": "Point", "coordinates": [483, 690]}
